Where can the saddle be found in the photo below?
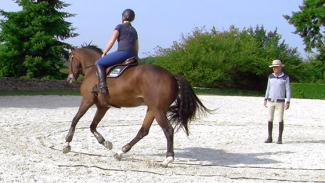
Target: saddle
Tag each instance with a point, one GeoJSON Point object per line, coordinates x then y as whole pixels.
{"type": "Point", "coordinates": [115, 71]}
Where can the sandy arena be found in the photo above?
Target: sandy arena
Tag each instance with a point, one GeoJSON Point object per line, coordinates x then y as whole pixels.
{"type": "Point", "coordinates": [226, 146]}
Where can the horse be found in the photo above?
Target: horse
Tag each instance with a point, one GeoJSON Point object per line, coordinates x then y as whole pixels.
{"type": "Point", "coordinates": [170, 99]}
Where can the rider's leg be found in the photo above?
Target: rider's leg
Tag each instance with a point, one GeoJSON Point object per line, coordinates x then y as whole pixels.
{"type": "Point", "coordinates": [109, 60]}
{"type": "Point", "coordinates": [101, 73]}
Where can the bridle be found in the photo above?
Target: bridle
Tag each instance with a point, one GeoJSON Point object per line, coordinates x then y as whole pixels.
{"type": "Point", "coordinates": [71, 61]}
{"type": "Point", "coordinates": [75, 73]}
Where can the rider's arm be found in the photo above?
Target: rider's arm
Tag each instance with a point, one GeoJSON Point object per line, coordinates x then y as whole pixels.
{"type": "Point", "coordinates": [137, 45]}
{"type": "Point", "coordinates": [111, 42]}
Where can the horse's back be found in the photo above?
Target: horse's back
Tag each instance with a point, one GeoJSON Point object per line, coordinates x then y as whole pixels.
{"type": "Point", "coordinates": [149, 84]}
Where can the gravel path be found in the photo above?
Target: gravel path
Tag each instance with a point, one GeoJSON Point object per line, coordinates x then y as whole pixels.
{"type": "Point", "coordinates": [226, 146]}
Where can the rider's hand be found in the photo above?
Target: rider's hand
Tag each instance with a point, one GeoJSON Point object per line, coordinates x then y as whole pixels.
{"type": "Point", "coordinates": [287, 105]}
{"type": "Point", "coordinates": [104, 52]}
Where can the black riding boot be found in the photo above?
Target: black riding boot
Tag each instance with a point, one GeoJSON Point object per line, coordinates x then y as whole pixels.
{"type": "Point", "coordinates": [102, 86]}
{"type": "Point", "coordinates": [269, 129]}
{"type": "Point", "coordinates": [281, 126]}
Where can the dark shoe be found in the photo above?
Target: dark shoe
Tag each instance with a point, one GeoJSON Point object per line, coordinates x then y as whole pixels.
{"type": "Point", "coordinates": [269, 130]}
{"type": "Point", "coordinates": [281, 126]}
{"type": "Point", "coordinates": [102, 86]}
{"type": "Point", "coordinates": [268, 140]}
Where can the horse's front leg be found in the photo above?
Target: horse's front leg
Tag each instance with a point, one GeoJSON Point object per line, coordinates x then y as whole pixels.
{"type": "Point", "coordinates": [144, 130]}
{"type": "Point", "coordinates": [84, 106]}
{"type": "Point", "coordinates": [101, 111]}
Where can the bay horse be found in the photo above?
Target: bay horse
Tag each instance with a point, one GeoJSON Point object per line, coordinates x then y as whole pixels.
{"type": "Point", "coordinates": [169, 99]}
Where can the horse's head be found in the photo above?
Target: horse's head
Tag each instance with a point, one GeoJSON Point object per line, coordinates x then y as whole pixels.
{"type": "Point", "coordinates": [75, 67]}
{"type": "Point", "coordinates": [81, 60]}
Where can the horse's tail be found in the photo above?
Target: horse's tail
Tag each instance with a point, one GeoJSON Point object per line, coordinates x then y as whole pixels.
{"type": "Point", "coordinates": [186, 106]}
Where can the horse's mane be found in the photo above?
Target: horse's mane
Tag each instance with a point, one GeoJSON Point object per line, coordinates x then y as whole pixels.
{"type": "Point", "coordinates": [92, 47]}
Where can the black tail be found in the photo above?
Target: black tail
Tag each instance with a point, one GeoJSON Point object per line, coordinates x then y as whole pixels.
{"type": "Point", "coordinates": [186, 107]}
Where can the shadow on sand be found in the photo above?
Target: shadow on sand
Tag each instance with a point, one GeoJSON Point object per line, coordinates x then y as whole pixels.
{"type": "Point", "coordinates": [221, 157]}
{"type": "Point", "coordinates": [306, 142]}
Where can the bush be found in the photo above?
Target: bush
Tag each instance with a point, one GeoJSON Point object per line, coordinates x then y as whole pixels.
{"type": "Point", "coordinates": [234, 58]}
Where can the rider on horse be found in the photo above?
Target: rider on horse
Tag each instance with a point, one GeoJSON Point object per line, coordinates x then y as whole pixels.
{"type": "Point", "coordinates": [127, 38]}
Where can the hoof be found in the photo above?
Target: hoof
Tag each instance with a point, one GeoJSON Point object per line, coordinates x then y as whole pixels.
{"type": "Point", "coordinates": [279, 142]}
{"type": "Point", "coordinates": [108, 145]}
{"type": "Point", "coordinates": [118, 155]}
{"type": "Point", "coordinates": [166, 162]}
{"type": "Point", "coordinates": [126, 148]}
{"type": "Point", "coordinates": [66, 149]}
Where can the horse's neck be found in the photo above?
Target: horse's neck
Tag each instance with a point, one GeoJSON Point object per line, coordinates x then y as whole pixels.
{"type": "Point", "coordinates": [87, 67]}
{"type": "Point", "coordinates": [88, 63]}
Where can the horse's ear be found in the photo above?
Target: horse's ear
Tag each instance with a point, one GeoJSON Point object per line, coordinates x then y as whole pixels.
{"type": "Point", "coordinates": [70, 48]}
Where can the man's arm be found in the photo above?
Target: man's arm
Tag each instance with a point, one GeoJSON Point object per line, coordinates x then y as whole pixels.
{"type": "Point", "coordinates": [288, 93]}
{"type": "Point", "coordinates": [267, 92]}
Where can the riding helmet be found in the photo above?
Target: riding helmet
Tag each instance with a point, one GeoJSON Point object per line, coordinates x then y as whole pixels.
{"type": "Point", "coordinates": [128, 15]}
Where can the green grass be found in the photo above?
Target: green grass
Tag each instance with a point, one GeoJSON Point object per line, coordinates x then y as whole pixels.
{"type": "Point", "coordinates": [308, 90]}
{"type": "Point", "coordinates": [227, 92]}
{"type": "Point", "coordinates": [202, 91]}
{"type": "Point", "coordinates": [298, 90]}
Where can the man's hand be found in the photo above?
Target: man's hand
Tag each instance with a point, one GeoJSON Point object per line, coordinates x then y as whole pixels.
{"type": "Point", "coordinates": [287, 105]}
{"type": "Point", "coordinates": [265, 103]}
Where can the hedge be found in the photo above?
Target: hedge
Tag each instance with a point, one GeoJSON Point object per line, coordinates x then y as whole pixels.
{"type": "Point", "coordinates": [308, 90]}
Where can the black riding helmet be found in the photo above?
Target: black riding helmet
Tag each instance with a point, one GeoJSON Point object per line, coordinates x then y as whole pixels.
{"type": "Point", "coordinates": [128, 15]}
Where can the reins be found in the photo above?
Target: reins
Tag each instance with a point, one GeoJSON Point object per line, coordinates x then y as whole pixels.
{"type": "Point", "coordinates": [88, 66]}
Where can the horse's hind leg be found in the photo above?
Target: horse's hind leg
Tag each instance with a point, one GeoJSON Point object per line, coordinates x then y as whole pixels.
{"type": "Point", "coordinates": [84, 106]}
{"type": "Point", "coordinates": [144, 130]}
{"type": "Point", "coordinates": [101, 111]}
{"type": "Point", "coordinates": [169, 133]}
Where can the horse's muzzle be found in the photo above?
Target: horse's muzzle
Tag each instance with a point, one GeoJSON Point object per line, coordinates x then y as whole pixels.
{"type": "Point", "coordinates": [70, 78]}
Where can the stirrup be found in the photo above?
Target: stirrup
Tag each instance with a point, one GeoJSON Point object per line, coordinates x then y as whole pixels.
{"type": "Point", "coordinates": [103, 90]}
{"type": "Point", "coordinates": [97, 90]}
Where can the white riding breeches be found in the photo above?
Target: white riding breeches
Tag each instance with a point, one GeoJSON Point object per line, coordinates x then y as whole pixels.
{"type": "Point", "coordinates": [276, 110]}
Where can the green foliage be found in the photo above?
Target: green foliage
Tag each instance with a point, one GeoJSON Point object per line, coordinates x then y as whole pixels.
{"type": "Point", "coordinates": [31, 40]}
{"type": "Point", "coordinates": [314, 70]}
{"type": "Point", "coordinates": [234, 58]}
{"type": "Point", "coordinates": [310, 25]}
{"type": "Point", "coordinates": [308, 90]}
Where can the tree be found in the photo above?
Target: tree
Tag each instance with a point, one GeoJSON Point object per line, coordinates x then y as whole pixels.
{"type": "Point", "coordinates": [310, 25]}
{"type": "Point", "coordinates": [31, 40]}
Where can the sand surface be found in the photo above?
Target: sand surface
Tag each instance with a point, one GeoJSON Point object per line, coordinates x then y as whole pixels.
{"type": "Point", "coordinates": [226, 146]}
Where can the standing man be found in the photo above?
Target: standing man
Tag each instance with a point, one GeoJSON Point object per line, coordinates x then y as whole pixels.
{"type": "Point", "coordinates": [277, 98]}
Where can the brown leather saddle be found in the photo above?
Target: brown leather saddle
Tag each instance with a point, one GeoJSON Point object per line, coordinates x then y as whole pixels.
{"type": "Point", "coordinates": [115, 71]}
